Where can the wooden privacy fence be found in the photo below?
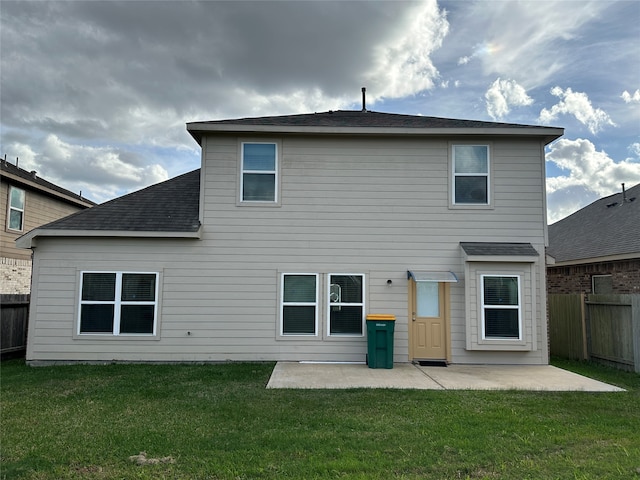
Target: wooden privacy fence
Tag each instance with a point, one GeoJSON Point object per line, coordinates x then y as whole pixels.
{"type": "Point", "coordinates": [603, 328]}
{"type": "Point", "coordinates": [14, 315]}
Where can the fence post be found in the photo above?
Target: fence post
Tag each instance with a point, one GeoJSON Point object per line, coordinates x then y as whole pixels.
{"type": "Point", "coordinates": [635, 328]}
{"type": "Point", "coordinates": [583, 322]}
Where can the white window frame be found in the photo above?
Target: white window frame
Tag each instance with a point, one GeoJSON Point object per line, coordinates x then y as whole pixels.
{"type": "Point", "coordinates": [117, 303]}
{"type": "Point", "coordinates": [274, 172]}
{"type": "Point", "coordinates": [330, 304]}
{"type": "Point", "coordinates": [17, 209]}
{"type": "Point", "coordinates": [501, 307]}
{"type": "Point", "coordinates": [455, 175]}
{"type": "Point", "coordinates": [315, 304]}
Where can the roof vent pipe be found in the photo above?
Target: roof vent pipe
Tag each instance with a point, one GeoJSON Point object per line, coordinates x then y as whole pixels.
{"type": "Point", "coordinates": [364, 99]}
{"type": "Point", "coordinates": [624, 195]}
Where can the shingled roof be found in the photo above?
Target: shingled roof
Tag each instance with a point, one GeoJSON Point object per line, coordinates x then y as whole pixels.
{"type": "Point", "coordinates": [606, 228]}
{"type": "Point", "coordinates": [362, 118]}
{"type": "Point", "coordinates": [482, 249]}
{"type": "Point", "coordinates": [365, 121]}
{"type": "Point", "coordinates": [170, 206]}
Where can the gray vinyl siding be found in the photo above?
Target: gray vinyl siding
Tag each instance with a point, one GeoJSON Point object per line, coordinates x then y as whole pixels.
{"type": "Point", "coordinates": [372, 206]}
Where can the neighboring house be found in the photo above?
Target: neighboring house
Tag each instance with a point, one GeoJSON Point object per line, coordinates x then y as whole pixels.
{"type": "Point", "coordinates": [28, 201]}
{"type": "Point", "coordinates": [297, 227]}
{"type": "Point", "coordinates": [597, 249]}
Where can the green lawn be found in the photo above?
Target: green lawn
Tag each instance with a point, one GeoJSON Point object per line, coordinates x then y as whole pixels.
{"type": "Point", "coordinates": [219, 422]}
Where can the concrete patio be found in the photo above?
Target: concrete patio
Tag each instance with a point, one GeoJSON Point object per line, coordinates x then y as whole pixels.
{"type": "Point", "coordinates": [453, 377]}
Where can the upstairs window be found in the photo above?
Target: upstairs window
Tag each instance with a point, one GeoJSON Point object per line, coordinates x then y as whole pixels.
{"type": "Point", "coordinates": [471, 174]}
{"type": "Point", "coordinates": [259, 177]}
{"type": "Point", "coordinates": [117, 303]}
{"type": "Point", "coordinates": [501, 307]}
{"type": "Point", "coordinates": [15, 217]}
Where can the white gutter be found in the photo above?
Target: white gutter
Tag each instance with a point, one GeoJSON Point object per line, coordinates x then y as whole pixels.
{"type": "Point", "coordinates": [196, 129]}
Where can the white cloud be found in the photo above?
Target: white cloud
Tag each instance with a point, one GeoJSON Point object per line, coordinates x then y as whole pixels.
{"type": "Point", "coordinates": [522, 39]}
{"type": "Point", "coordinates": [578, 105]}
{"type": "Point", "coordinates": [101, 173]}
{"type": "Point", "coordinates": [504, 94]}
{"type": "Point", "coordinates": [591, 174]}
{"type": "Point", "coordinates": [631, 98]}
{"type": "Point", "coordinates": [634, 148]}
{"type": "Point", "coordinates": [402, 65]}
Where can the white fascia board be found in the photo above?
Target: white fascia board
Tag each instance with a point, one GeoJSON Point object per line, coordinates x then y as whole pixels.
{"type": "Point", "coordinates": [29, 240]}
{"type": "Point", "coordinates": [608, 258]}
{"type": "Point", "coordinates": [501, 258]}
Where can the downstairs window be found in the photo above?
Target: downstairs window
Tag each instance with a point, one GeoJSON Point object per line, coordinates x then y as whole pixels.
{"type": "Point", "coordinates": [346, 304]}
{"type": "Point", "coordinates": [118, 303]}
{"type": "Point", "coordinates": [299, 305]}
{"type": "Point", "coordinates": [501, 318]}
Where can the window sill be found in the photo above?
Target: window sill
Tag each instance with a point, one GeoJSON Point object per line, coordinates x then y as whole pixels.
{"type": "Point", "coordinates": [107, 337]}
{"type": "Point", "coordinates": [259, 204]}
{"type": "Point", "coordinates": [344, 337]}
{"type": "Point", "coordinates": [502, 345]}
{"type": "Point", "coordinates": [298, 338]}
{"type": "Point", "coordinates": [470, 206]}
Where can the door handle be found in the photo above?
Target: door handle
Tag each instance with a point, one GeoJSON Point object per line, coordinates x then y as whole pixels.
{"type": "Point", "coordinates": [413, 316]}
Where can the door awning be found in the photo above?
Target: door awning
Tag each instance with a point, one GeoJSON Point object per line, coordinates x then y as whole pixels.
{"type": "Point", "coordinates": [431, 276]}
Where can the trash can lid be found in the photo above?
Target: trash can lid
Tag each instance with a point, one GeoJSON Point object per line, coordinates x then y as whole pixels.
{"type": "Point", "coordinates": [381, 316]}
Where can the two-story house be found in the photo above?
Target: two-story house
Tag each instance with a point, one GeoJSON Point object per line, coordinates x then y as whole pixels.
{"type": "Point", "coordinates": [26, 202]}
{"type": "Point", "coordinates": [293, 230]}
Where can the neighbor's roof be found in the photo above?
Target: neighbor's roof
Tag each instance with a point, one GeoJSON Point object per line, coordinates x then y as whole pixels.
{"type": "Point", "coordinates": [32, 181]}
{"type": "Point", "coordinates": [166, 209]}
{"type": "Point", "coordinates": [607, 229]}
{"type": "Point", "coordinates": [367, 122]}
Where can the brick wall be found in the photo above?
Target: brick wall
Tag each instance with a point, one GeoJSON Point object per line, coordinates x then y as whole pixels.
{"type": "Point", "coordinates": [625, 276]}
{"type": "Point", "coordinates": [15, 276]}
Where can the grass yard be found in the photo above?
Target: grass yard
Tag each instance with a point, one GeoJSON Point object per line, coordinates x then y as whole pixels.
{"type": "Point", "coordinates": [219, 422]}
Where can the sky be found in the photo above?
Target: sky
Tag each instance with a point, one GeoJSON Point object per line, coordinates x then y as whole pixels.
{"type": "Point", "coordinates": [95, 95]}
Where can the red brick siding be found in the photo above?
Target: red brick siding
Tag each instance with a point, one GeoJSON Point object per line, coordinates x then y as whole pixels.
{"type": "Point", "coordinates": [625, 275]}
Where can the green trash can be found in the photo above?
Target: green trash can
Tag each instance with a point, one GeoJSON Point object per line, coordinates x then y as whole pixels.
{"type": "Point", "coordinates": [380, 329]}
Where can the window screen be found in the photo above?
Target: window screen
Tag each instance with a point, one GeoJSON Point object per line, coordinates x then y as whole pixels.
{"type": "Point", "coordinates": [259, 172]}
{"type": "Point", "coordinates": [299, 304]}
{"type": "Point", "coordinates": [16, 209]}
{"type": "Point", "coordinates": [602, 284]}
{"type": "Point", "coordinates": [118, 303]}
{"type": "Point", "coordinates": [501, 306]}
{"type": "Point", "coordinates": [346, 304]}
{"type": "Point", "coordinates": [471, 174]}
